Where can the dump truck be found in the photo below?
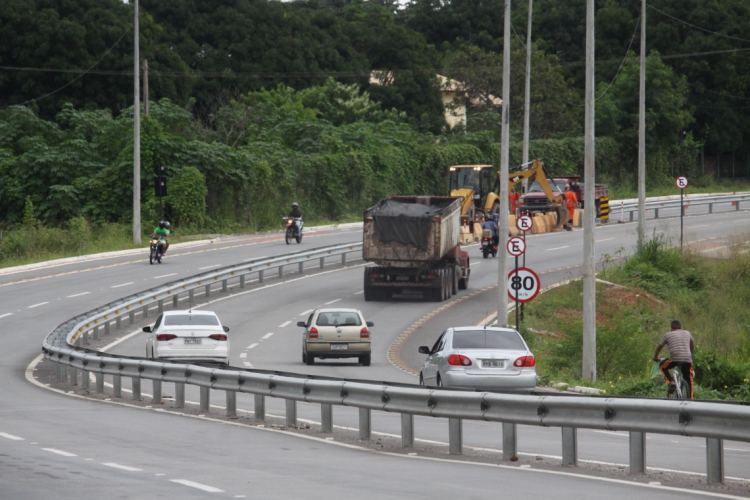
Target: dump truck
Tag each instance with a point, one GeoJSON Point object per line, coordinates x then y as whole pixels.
{"type": "Point", "coordinates": [414, 240]}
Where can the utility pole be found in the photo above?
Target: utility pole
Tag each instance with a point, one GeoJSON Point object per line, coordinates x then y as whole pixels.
{"type": "Point", "coordinates": [589, 214]}
{"type": "Point", "coordinates": [136, 136]}
{"type": "Point", "coordinates": [642, 133]}
{"type": "Point", "coordinates": [146, 105]}
{"type": "Point", "coordinates": [502, 272]}
{"type": "Point", "coordinates": [527, 96]}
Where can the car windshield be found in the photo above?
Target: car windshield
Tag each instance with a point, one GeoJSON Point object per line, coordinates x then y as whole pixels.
{"type": "Point", "coordinates": [191, 320]}
{"type": "Point", "coordinates": [338, 319]}
{"type": "Point", "coordinates": [487, 339]}
{"type": "Point", "coordinates": [558, 186]}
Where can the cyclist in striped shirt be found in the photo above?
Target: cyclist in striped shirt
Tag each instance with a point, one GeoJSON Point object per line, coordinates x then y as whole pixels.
{"type": "Point", "coordinates": [681, 347]}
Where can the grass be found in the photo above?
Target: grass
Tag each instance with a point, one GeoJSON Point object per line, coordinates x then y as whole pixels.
{"type": "Point", "coordinates": [705, 184]}
{"type": "Point", "coordinates": [658, 283]}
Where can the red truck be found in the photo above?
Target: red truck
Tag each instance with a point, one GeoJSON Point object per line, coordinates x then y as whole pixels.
{"type": "Point", "coordinates": [535, 201]}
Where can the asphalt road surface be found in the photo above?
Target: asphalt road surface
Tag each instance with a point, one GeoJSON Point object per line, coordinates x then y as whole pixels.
{"type": "Point", "coordinates": [53, 444]}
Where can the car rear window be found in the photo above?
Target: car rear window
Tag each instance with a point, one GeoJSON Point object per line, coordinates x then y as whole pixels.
{"type": "Point", "coordinates": [487, 339]}
{"type": "Point", "coordinates": [338, 319]}
{"type": "Point", "coordinates": [191, 320]}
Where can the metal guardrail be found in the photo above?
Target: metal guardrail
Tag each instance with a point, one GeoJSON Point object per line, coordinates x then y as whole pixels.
{"type": "Point", "coordinates": [655, 206]}
{"type": "Point", "coordinates": [715, 422]}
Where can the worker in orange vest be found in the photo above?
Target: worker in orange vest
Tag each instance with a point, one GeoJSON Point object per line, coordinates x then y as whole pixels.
{"type": "Point", "coordinates": [571, 202]}
{"type": "Point", "coordinates": [513, 198]}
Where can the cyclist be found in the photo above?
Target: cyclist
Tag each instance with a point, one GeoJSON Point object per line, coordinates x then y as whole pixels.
{"type": "Point", "coordinates": [162, 232]}
{"type": "Point", "coordinates": [681, 347]}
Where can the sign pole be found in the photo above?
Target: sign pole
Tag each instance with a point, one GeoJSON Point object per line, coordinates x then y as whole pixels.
{"type": "Point", "coordinates": [681, 182]}
{"type": "Point", "coordinates": [682, 215]}
{"type": "Point", "coordinates": [523, 304]}
{"type": "Point", "coordinates": [517, 292]}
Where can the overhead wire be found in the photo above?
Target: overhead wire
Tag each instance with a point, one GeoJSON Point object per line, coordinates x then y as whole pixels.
{"type": "Point", "coordinates": [698, 27]}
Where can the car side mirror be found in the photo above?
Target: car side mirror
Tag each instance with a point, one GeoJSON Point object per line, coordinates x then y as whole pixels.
{"type": "Point", "coordinates": [226, 329]}
{"type": "Point", "coordinates": [301, 324]}
{"type": "Point", "coordinates": [424, 349]}
{"type": "Point", "coordinates": [147, 329]}
{"type": "Point", "coordinates": [370, 323]}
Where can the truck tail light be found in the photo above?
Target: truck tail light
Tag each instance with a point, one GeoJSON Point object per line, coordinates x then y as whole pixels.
{"type": "Point", "coordinates": [163, 337]}
{"type": "Point", "coordinates": [218, 336]}
{"type": "Point", "coordinates": [458, 360]}
{"type": "Point", "coordinates": [313, 333]}
{"type": "Point", "coordinates": [364, 333]}
{"type": "Point", "coordinates": [524, 361]}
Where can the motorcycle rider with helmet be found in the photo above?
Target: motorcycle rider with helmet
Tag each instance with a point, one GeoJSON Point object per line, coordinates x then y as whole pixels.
{"type": "Point", "coordinates": [162, 232]}
{"type": "Point", "coordinates": [297, 217]}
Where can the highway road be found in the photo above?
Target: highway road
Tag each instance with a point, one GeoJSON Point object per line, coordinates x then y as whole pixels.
{"type": "Point", "coordinates": [52, 443]}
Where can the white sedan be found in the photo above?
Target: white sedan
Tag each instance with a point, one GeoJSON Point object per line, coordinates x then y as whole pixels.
{"type": "Point", "coordinates": [188, 336]}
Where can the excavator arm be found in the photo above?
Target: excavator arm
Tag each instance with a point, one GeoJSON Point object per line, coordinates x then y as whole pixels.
{"type": "Point", "coordinates": [537, 170]}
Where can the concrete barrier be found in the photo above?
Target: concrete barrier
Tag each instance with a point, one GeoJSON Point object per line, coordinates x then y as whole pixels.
{"type": "Point", "coordinates": [512, 229]}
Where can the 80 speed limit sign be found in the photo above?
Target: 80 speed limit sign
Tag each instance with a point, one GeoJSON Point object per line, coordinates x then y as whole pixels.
{"type": "Point", "coordinates": [526, 282]}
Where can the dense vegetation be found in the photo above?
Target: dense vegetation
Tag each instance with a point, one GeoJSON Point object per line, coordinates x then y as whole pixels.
{"type": "Point", "coordinates": [662, 283]}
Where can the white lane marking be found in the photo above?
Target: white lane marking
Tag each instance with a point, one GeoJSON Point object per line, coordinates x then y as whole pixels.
{"type": "Point", "coordinates": [6, 314]}
{"type": "Point", "coordinates": [243, 355]}
{"type": "Point", "coordinates": [124, 284]}
{"type": "Point", "coordinates": [702, 225]}
{"type": "Point", "coordinates": [306, 312]}
{"type": "Point", "coordinates": [37, 305]}
{"type": "Point", "coordinates": [10, 436]}
{"type": "Point", "coordinates": [252, 345]}
{"type": "Point", "coordinates": [255, 258]}
{"type": "Point", "coordinates": [247, 364]}
{"type": "Point", "coordinates": [557, 248]}
{"type": "Point", "coordinates": [164, 276]}
{"type": "Point", "coordinates": [268, 335]}
{"type": "Point", "coordinates": [77, 295]}
{"type": "Point", "coordinates": [193, 484]}
{"type": "Point", "coordinates": [240, 496]}
{"type": "Point", "coordinates": [357, 293]}
{"type": "Point", "coordinates": [123, 467]}
{"type": "Point", "coordinates": [285, 323]}
{"type": "Point", "coordinates": [332, 302]}
{"type": "Point", "coordinates": [159, 474]}
{"type": "Point", "coordinates": [60, 452]}
{"type": "Point", "coordinates": [208, 267]}
{"type": "Point", "coordinates": [605, 239]}
{"type": "Point", "coordinates": [617, 434]}
{"type": "Point", "coordinates": [737, 449]}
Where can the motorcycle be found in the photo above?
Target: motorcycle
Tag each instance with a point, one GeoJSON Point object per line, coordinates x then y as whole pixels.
{"type": "Point", "coordinates": [488, 245]}
{"type": "Point", "coordinates": [293, 230]}
{"type": "Point", "coordinates": [157, 249]}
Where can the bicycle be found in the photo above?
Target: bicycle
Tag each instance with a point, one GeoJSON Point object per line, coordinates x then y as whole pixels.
{"type": "Point", "coordinates": [682, 388]}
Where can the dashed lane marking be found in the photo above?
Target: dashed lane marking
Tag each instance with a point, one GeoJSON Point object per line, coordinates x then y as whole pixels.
{"type": "Point", "coordinates": [243, 355]}
{"type": "Point", "coordinates": [193, 484]}
{"type": "Point", "coordinates": [60, 452]}
{"type": "Point", "coordinates": [10, 436]}
{"type": "Point", "coordinates": [37, 305]}
{"type": "Point", "coordinates": [306, 312]}
{"type": "Point", "coordinates": [357, 293]}
{"type": "Point", "coordinates": [252, 345]}
{"type": "Point", "coordinates": [78, 295]}
{"type": "Point", "coordinates": [605, 239]}
{"type": "Point", "coordinates": [208, 267]}
{"type": "Point", "coordinates": [267, 336]}
{"type": "Point", "coordinates": [557, 248]}
{"type": "Point", "coordinates": [332, 302]}
{"type": "Point", "coordinates": [285, 323]}
{"type": "Point", "coordinates": [247, 364]}
{"type": "Point", "coordinates": [164, 276]}
{"type": "Point", "coordinates": [6, 314]}
{"type": "Point", "coordinates": [123, 467]}
{"type": "Point", "coordinates": [124, 284]}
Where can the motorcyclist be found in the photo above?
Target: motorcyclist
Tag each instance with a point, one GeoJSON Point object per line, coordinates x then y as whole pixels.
{"type": "Point", "coordinates": [162, 232]}
{"type": "Point", "coordinates": [297, 216]}
{"type": "Point", "coordinates": [492, 225]}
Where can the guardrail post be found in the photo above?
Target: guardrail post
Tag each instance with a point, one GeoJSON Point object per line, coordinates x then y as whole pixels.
{"type": "Point", "coordinates": [322, 262]}
{"type": "Point", "coordinates": [106, 328]}
{"type": "Point", "coordinates": [131, 317]}
{"type": "Point", "coordinates": [96, 333]}
{"type": "Point", "coordinates": [291, 412]}
{"type": "Point", "coordinates": [208, 290]}
{"type": "Point", "coordinates": [281, 271]}
{"type": "Point", "coordinates": [179, 394]}
{"type": "Point", "coordinates": [99, 383]}
{"type": "Point", "coordinates": [710, 208]}
{"type": "Point", "coordinates": [119, 322]}
{"type": "Point", "coordinates": [455, 436]}
{"type": "Point", "coordinates": [191, 295]}
{"type": "Point", "coordinates": [570, 446]}
{"type": "Point", "coordinates": [631, 216]}
{"type": "Point", "coordinates": [62, 372]}
{"type": "Point", "coordinates": [85, 340]}
{"type": "Point", "coordinates": [260, 276]}
{"type": "Point", "coordinates": [301, 267]}
{"type": "Point", "coordinates": [73, 375]}
{"type": "Point", "coordinates": [715, 460]}
{"type": "Point", "coordinates": [343, 259]}
{"type": "Point", "coordinates": [365, 423]}
{"type": "Point", "coordinates": [205, 399]}
{"type": "Point", "coordinates": [231, 404]}
{"type": "Point", "coordinates": [637, 452]}
{"type": "Point", "coordinates": [737, 206]}
{"type": "Point", "coordinates": [260, 407]}
{"type": "Point", "coordinates": [407, 430]}
{"type": "Point", "coordinates": [117, 386]}
{"type": "Point", "coordinates": [223, 285]}
{"type": "Point", "coordinates": [242, 281]}
{"type": "Point", "coordinates": [509, 441]}
{"type": "Point", "coordinates": [175, 300]}
{"type": "Point", "coordinates": [161, 305]}
{"type": "Point", "coordinates": [656, 213]}
{"type": "Point", "coordinates": [326, 417]}
{"type": "Point", "coordinates": [145, 311]}
{"type": "Point", "coordinates": [136, 388]}
{"type": "Point", "coordinates": [157, 392]}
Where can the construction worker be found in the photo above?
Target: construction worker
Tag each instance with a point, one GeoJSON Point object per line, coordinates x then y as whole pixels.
{"type": "Point", "coordinates": [513, 197]}
{"type": "Point", "coordinates": [571, 202]}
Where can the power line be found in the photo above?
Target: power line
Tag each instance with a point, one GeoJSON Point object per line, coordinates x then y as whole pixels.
{"type": "Point", "coordinates": [697, 27]}
{"type": "Point", "coordinates": [718, 93]}
{"type": "Point", "coordinates": [74, 79]}
{"type": "Point", "coordinates": [623, 60]}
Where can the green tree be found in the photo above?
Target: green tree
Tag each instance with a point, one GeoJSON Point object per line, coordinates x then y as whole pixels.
{"type": "Point", "coordinates": [187, 197]}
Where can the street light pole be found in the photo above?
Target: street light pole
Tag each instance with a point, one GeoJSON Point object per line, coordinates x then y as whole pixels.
{"type": "Point", "coordinates": [642, 133]}
{"type": "Point", "coordinates": [527, 96]}
{"type": "Point", "coordinates": [502, 273]}
{"type": "Point", "coordinates": [589, 213]}
{"type": "Point", "coordinates": [136, 134]}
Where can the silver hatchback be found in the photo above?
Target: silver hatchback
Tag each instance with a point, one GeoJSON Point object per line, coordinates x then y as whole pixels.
{"type": "Point", "coordinates": [472, 357]}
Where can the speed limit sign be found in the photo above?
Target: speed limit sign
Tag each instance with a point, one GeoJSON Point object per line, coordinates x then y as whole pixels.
{"type": "Point", "coordinates": [681, 182]}
{"type": "Point", "coordinates": [524, 223]}
{"type": "Point", "coordinates": [526, 282]}
{"type": "Point", "coordinates": [516, 246]}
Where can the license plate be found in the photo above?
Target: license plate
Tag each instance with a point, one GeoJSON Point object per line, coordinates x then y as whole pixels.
{"type": "Point", "coordinates": [193, 341]}
{"type": "Point", "coordinates": [336, 347]}
{"type": "Point", "coordinates": [493, 363]}
{"type": "Point", "coordinates": [402, 278]}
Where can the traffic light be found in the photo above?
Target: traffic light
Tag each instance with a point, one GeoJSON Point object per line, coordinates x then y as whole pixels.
{"type": "Point", "coordinates": [160, 180]}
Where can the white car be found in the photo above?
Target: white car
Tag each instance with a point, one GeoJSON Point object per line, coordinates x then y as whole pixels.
{"type": "Point", "coordinates": [188, 336]}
